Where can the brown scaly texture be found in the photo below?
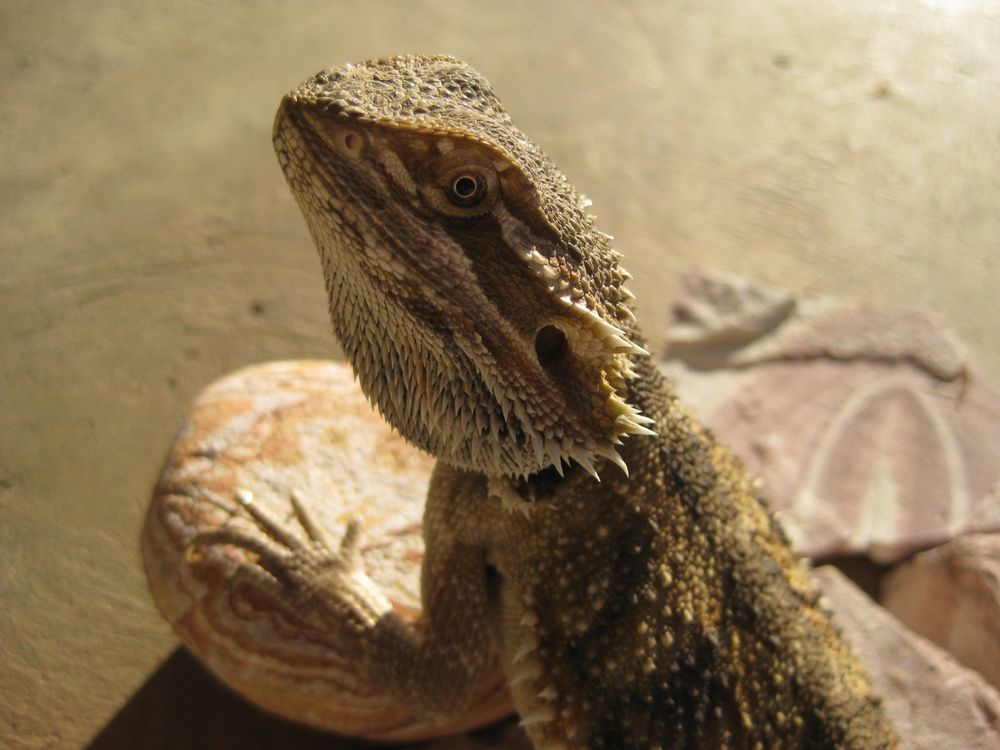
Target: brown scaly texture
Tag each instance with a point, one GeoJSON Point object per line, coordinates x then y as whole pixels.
{"type": "Point", "coordinates": [487, 319]}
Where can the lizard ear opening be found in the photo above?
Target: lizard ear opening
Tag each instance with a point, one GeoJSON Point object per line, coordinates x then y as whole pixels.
{"type": "Point", "coordinates": [551, 346]}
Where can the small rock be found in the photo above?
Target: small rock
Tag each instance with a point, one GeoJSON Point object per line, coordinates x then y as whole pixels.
{"type": "Point", "coordinates": [715, 316]}
{"type": "Point", "coordinates": [728, 321]}
{"type": "Point", "coordinates": [933, 700]}
{"type": "Point", "coordinates": [951, 595]}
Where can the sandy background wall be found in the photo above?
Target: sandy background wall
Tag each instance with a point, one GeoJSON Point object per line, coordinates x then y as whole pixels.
{"type": "Point", "coordinates": [148, 243]}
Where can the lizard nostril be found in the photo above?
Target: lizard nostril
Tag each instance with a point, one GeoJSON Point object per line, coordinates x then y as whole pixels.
{"type": "Point", "coordinates": [550, 345]}
{"type": "Point", "coordinates": [349, 143]}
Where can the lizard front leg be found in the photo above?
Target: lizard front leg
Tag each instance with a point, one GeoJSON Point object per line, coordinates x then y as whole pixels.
{"type": "Point", "coordinates": [430, 669]}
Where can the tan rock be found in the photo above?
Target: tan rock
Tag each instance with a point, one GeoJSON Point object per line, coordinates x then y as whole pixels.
{"type": "Point", "coordinates": [951, 595]}
{"type": "Point", "coordinates": [868, 429]}
{"type": "Point", "coordinates": [934, 701]}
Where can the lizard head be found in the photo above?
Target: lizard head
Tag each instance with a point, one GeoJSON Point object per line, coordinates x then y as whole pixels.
{"type": "Point", "coordinates": [484, 314]}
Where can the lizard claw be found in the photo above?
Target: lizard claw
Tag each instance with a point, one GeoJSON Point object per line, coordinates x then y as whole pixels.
{"type": "Point", "coordinates": [350, 545]}
{"type": "Point", "coordinates": [314, 574]}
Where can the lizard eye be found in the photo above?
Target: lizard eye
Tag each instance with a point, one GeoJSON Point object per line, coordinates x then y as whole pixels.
{"type": "Point", "coordinates": [464, 193]}
{"type": "Point", "coordinates": [467, 189]}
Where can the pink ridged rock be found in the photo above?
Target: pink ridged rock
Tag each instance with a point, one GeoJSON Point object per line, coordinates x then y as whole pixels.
{"type": "Point", "coordinates": [933, 701]}
{"type": "Point", "coordinates": [951, 595]}
{"type": "Point", "coordinates": [868, 429]}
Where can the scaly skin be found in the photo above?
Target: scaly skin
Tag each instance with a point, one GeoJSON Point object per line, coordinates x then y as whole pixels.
{"type": "Point", "coordinates": [487, 319]}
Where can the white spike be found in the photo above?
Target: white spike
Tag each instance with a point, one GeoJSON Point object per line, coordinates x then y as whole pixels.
{"type": "Point", "coordinates": [496, 450]}
{"type": "Point", "coordinates": [505, 409]}
{"type": "Point", "coordinates": [583, 458]}
{"type": "Point", "coordinates": [623, 346]}
{"type": "Point", "coordinates": [537, 443]}
{"type": "Point", "coordinates": [554, 448]}
{"type": "Point", "coordinates": [502, 489]}
{"type": "Point", "coordinates": [548, 693]}
{"type": "Point", "coordinates": [530, 669]}
{"type": "Point", "coordinates": [540, 715]}
{"type": "Point", "coordinates": [608, 329]}
{"type": "Point", "coordinates": [620, 343]}
{"type": "Point", "coordinates": [528, 647]}
{"type": "Point", "coordinates": [637, 429]}
{"type": "Point", "coordinates": [612, 455]}
{"type": "Point", "coordinates": [522, 414]}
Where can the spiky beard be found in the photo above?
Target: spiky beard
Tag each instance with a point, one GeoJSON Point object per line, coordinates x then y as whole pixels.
{"type": "Point", "coordinates": [436, 396]}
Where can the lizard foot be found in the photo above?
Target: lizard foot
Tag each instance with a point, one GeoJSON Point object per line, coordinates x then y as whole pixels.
{"type": "Point", "coordinates": [312, 578]}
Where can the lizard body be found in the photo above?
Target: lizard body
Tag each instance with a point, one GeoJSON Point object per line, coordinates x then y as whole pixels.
{"type": "Point", "coordinates": [645, 597]}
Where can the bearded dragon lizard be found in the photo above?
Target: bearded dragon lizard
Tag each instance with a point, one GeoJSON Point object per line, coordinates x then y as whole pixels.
{"type": "Point", "coordinates": [578, 519]}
